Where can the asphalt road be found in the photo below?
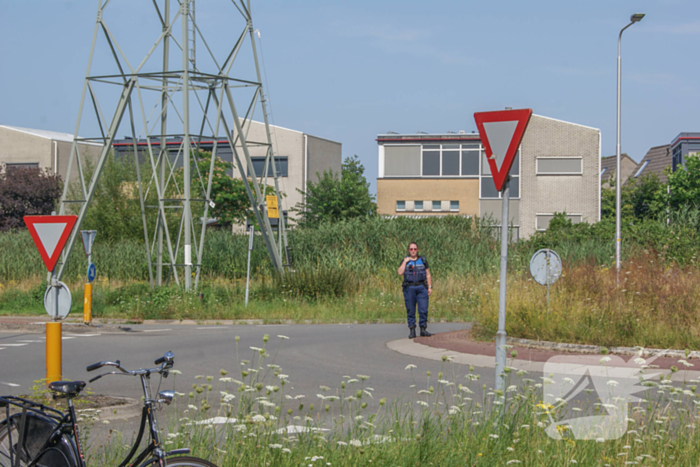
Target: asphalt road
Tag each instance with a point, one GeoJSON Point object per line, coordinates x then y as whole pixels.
{"type": "Point", "coordinates": [314, 355]}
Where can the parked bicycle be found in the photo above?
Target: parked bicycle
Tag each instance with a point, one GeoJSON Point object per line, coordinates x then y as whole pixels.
{"type": "Point", "coordinates": [33, 434]}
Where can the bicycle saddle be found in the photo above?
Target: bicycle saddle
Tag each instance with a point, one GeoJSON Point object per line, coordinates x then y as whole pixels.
{"type": "Point", "coordinates": [67, 388]}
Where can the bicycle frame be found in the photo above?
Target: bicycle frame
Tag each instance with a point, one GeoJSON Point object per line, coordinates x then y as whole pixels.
{"type": "Point", "coordinates": [153, 448]}
{"type": "Point", "coordinates": [65, 430]}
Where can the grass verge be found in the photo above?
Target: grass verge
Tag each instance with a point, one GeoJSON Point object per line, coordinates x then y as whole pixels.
{"type": "Point", "coordinates": [253, 416]}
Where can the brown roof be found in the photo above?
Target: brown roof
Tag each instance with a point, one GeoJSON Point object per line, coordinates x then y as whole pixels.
{"type": "Point", "coordinates": [658, 158]}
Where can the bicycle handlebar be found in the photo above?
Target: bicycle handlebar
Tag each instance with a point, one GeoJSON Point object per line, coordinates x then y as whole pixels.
{"type": "Point", "coordinates": [166, 362]}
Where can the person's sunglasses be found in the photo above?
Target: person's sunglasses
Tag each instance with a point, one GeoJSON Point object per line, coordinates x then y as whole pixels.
{"type": "Point", "coordinates": [413, 249]}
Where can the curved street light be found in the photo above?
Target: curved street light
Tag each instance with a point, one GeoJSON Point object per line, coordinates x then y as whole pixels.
{"type": "Point", "coordinates": [635, 18]}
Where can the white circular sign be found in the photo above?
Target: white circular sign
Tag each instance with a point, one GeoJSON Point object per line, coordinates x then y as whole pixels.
{"type": "Point", "coordinates": [65, 301]}
{"type": "Point", "coordinates": [545, 267]}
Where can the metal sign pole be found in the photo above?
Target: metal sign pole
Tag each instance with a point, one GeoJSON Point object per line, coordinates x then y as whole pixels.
{"type": "Point", "coordinates": [54, 357]}
{"type": "Point", "coordinates": [250, 250]}
{"type": "Point", "coordinates": [501, 334]}
{"type": "Point", "coordinates": [549, 278]}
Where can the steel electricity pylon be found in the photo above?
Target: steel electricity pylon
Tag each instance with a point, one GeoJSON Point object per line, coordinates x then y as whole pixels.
{"type": "Point", "coordinates": [169, 102]}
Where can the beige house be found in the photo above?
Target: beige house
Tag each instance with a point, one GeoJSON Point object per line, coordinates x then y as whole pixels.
{"type": "Point", "coordinates": [26, 147]}
{"type": "Point", "coordinates": [556, 170]}
{"type": "Point", "coordinates": [299, 157]}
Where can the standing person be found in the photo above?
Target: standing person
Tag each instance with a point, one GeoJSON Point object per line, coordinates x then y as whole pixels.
{"type": "Point", "coordinates": [417, 287]}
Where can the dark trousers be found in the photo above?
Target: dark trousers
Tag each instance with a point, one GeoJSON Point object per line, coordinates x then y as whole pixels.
{"type": "Point", "coordinates": [412, 295]}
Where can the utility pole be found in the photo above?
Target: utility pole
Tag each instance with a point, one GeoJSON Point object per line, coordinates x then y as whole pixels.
{"type": "Point", "coordinates": [208, 110]}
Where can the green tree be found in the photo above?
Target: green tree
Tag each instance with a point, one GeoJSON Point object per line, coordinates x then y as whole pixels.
{"type": "Point", "coordinates": [641, 198]}
{"type": "Point", "coordinates": [646, 196]}
{"type": "Point", "coordinates": [684, 184]}
{"type": "Point", "coordinates": [231, 202]}
{"type": "Point", "coordinates": [232, 205]}
{"type": "Point", "coordinates": [114, 211]}
{"type": "Point", "coordinates": [335, 198]}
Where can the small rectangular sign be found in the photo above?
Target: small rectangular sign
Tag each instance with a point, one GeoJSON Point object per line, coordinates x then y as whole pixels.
{"type": "Point", "coordinates": [272, 208]}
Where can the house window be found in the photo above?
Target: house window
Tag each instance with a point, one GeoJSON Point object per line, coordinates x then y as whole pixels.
{"type": "Point", "coordinates": [470, 160]}
{"type": "Point", "coordinates": [644, 166]}
{"type": "Point", "coordinates": [559, 166]}
{"type": "Point", "coordinates": [486, 168]}
{"type": "Point", "coordinates": [20, 165]}
{"type": "Point", "coordinates": [282, 166]}
{"type": "Point", "coordinates": [418, 205]}
{"type": "Point", "coordinates": [542, 220]}
{"type": "Point", "coordinates": [402, 161]}
{"type": "Point", "coordinates": [431, 160]}
{"type": "Point", "coordinates": [437, 205]}
{"type": "Point", "coordinates": [454, 205]}
{"type": "Point", "coordinates": [401, 205]}
{"type": "Point", "coordinates": [488, 188]}
{"type": "Point", "coordinates": [450, 160]}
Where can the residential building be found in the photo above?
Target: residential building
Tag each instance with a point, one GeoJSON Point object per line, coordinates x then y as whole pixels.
{"type": "Point", "coordinates": [608, 165]}
{"type": "Point", "coordinates": [27, 147]}
{"type": "Point", "coordinates": [684, 145]}
{"type": "Point", "coordinates": [556, 170]}
{"type": "Point", "coordinates": [299, 157]}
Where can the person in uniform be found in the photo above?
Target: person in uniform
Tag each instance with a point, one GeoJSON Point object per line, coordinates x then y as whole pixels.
{"type": "Point", "coordinates": [417, 288]}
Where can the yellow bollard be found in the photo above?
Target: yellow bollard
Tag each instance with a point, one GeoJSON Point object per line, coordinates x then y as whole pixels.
{"type": "Point", "coordinates": [54, 347]}
{"type": "Point", "coordinates": [87, 304]}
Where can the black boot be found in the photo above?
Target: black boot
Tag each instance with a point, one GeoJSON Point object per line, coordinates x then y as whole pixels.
{"type": "Point", "coordinates": [424, 331]}
{"type": "Point", "coordinates": [412, 334]}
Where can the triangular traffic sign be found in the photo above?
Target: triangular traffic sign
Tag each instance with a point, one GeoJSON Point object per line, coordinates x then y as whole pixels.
{"type": "Point", "coordinates": [501, 132]}
{"type": "Point", "coordinates": [50, 234]}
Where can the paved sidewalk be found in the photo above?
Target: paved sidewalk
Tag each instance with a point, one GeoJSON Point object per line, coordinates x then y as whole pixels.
{"type": "Point", "coordinates": [459, 346]}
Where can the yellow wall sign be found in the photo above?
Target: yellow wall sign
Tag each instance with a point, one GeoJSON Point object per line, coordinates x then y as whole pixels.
{"type": "Point", "coordinates": [272, 209]}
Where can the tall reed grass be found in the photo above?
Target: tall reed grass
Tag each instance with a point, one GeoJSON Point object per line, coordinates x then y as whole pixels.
{"type": "Point", "coordinates": [654, 305]}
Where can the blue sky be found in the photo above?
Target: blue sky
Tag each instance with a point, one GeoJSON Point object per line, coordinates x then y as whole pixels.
{"type": "Point", "coordinates": [349, 70]}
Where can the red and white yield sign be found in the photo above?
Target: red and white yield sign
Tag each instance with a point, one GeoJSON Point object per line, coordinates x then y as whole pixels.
{"type": "Point", "coordinates": [50, 234]}
{"type": "Point", "coordinates": [501, 132]}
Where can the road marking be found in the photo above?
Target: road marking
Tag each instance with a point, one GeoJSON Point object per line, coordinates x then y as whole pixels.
{"type": "Point", "coordinates": [156, 330]}
{"type": "Point", "coordinates": [215, 327]}
{"type": "Point", "coordinates": [13, 345]}
{"type": "Point", "coordinates": [82, 335]}
{"type": "Point", "coordinates": [10, 384]}
{"type": "Point", "coordinates": [29, 342]}
{"type": "Point", "coordinates": [65, 338]}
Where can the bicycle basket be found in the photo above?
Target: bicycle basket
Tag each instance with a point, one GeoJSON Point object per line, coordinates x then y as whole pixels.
{"type": "Point", "coordinates": [60, 453]}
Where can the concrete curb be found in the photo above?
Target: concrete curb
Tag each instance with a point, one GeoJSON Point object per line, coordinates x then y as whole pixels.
{"type": "Point", "coordinates": [10, 320]}
{"type": "Point", "coordinates": [409, 347]}
{"type": "Point", "coordinates": [595, 349]}
{"type": "Point", "coordinates": [39, 327]}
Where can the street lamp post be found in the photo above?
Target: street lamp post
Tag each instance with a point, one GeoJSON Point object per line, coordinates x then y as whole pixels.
{"type": "Point", "coordinates": [618, 222]}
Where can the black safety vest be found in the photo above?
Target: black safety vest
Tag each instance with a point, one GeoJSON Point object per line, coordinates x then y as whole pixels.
{"type": "Point", "coordinates": [415, 271]}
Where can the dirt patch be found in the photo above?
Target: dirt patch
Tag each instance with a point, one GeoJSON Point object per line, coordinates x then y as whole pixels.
{"type": "Point", "coordinates": [92, 401]}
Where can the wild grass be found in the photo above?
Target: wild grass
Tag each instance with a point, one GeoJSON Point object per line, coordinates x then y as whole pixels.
{"type": "Point", "coordinates": [251, 415]}
{"type": "Point", "coordinates": [654, 305]}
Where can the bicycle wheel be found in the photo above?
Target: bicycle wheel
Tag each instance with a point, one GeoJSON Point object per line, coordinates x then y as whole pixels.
{"type": "Point", "coordinates": [186, 461]}
{"type": "Point", "coordinates": [58, 454]}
